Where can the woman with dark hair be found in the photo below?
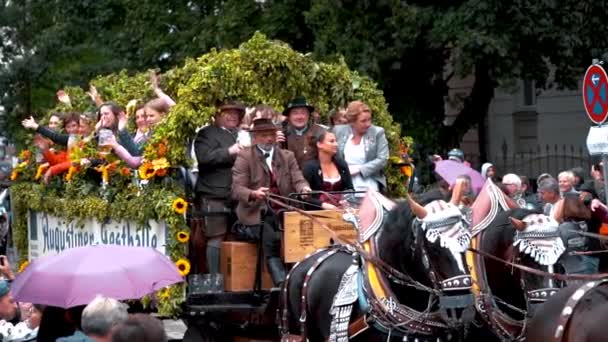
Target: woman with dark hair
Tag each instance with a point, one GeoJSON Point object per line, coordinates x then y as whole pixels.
{"type": "Point", "coordinates": [54, 324]}
{"type": "Point", "coordinates": [326, 171]}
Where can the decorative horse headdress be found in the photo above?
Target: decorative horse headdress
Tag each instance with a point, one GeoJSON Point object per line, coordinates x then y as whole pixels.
{"type": "Point", "coordinates": [538, 236]}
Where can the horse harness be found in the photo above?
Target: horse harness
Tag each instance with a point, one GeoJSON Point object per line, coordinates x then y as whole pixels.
{"type": "Point", "coordinates": [383, 310]}
{"type": "Point", "coordinates": [570, 306]}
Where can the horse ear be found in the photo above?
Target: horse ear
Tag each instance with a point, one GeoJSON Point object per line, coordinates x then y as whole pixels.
{"type": "Point", "coordinates": [518, 224]}
{"type": "Point", "coordinates": [558, 213]}
{"type": "Point", "coordinates": [418, 210]}
{"type": "Point", "coordinates": [457, 191]}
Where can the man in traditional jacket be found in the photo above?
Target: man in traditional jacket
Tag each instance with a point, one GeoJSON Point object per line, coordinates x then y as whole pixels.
{"type": "Point", "coordinates": [260, 170]}
{"type": "Point", "coordinates": [216, 149]}
{"type": "Point", "coordinates": [299, 129]}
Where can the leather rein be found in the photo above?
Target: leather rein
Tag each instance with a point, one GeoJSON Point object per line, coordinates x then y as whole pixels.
{"type": "Point", "coordinates": [392, 273]}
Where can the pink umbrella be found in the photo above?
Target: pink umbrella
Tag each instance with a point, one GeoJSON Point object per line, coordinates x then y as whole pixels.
{"type": "Point", "coordinates": [449, 170]}
{"type": "Point", "coordinates": [75, 276]}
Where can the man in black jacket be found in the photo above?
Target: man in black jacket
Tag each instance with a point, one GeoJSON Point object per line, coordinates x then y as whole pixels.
{"type": "Point", "coordinates": [216, 148]}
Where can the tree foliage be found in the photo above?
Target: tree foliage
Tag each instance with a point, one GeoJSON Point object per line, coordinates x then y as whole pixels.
{"type": "Point", "coordinates": [412, 49]}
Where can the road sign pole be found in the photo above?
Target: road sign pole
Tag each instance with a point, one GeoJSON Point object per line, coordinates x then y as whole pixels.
{"type": "Point", "coordinates": [605, 170]}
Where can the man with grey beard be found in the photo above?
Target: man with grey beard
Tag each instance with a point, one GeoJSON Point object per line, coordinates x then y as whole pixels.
{"type": "Point", "coordinates": [258, 171]}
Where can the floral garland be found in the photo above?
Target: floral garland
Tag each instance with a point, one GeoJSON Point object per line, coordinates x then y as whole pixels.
{"type": "Point", "coordinates": [121, 195]}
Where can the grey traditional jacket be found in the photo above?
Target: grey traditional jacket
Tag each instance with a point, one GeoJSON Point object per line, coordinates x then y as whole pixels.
{"type": "Point", "coordinates": [376, 150]}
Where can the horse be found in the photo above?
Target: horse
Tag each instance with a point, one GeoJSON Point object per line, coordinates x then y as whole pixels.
{"type": "Point", "coordinates": [407, 280]}
{"type": "Point", "coordinates": [502, 233]}
{"type": "Point", "coordinates": [507, 295]}
{"type": "Point", "coordinates": [576, 313]}
{"type": "Point", "coordinates": [571, 314]}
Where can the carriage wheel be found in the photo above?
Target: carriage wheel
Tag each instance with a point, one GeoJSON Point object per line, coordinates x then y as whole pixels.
{"type": "Point", "coordinates": [198, 334]}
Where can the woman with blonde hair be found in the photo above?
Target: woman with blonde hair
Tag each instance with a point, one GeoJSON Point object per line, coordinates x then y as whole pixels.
{"type": "Point", "coordinates": [364, 147]}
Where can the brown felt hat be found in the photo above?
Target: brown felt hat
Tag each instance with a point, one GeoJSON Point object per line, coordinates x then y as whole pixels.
{"type": "Point", "coordinates": [231, 104]}
{"type": "Point", "coordinates": [260, 125]}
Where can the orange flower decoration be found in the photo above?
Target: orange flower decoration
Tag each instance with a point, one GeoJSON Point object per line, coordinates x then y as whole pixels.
{"type": "Point", "coordinates": [14, 175]}
{"type": "Point", "coordinates": [25, 155]}
{"type": "Point", "coordinates": [125, 171]}
{"type": "Point", "coordinates": [161, 172]}
{"type": "Point", "coordinates": [162, 150]}
{"type": "Point", "coordinates": [71, 171]}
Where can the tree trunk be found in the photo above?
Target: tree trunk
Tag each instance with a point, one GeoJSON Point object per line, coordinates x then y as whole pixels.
{"type": "Point", "coordinates": [474, 111]}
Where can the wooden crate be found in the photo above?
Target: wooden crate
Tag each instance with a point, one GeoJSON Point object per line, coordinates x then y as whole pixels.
{"type": "Point", "coordinates": [238, 262]}
{"type": "Point", "coordinates": [302, 236]}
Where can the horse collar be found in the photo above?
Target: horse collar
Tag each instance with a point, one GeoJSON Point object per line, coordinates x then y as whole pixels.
{"type": "Point", "coordinates": [571, 304]}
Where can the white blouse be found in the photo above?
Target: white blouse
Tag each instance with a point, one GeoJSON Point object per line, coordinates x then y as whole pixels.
{"type": "Point", "coordinates": [355, 156]}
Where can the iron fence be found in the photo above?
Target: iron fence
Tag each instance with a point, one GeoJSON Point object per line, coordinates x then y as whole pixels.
{"type": "Point", "coordinates": [550, 159]}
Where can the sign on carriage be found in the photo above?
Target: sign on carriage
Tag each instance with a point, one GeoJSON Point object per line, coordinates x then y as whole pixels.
{"type": "Point", "coordinates": [302, 236]}
{"type": "Point", "coordinates": [595, 93]}
{"type": "Point", "coordinates": [49, 235]}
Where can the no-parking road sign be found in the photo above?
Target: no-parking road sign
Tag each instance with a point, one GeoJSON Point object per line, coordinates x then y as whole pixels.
{"type": "Point", "coordinates": [595, 93]}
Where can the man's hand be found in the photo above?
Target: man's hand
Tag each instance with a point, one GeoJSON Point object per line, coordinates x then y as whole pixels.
{"type": "Point", "coordinates": [328, 206]}
{"type": "Point", "coordinates": [30, 123]}
{"type": "Point", "coordinates": [234, 149]}
{"type": "Point", "coordinates": [259, 194]}
{"type": "Point", "coordinates": [280, 137]}
{"type": "Point", "coordinates": [5, 268]}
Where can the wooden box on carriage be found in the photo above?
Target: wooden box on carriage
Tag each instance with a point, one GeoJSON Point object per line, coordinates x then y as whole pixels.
{"type": "Point", "coordinates": [238, 265]}
{"type": "Point", "coordinates": [302, 236]}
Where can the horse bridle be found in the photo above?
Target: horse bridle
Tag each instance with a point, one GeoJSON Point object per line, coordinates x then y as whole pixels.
{"type": "Point", "coordinates": [456, 283]}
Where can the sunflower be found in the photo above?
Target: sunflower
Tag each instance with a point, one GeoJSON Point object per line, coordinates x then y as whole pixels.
{"type": "Point", "coordinates": [125, 171]}
{"type": "Point", "coordinates": [164, 293]}
{"type": "Point", "coordinates": [23, 266]}
{"type": "Point", "coordinates": [183, 266]}
{"type": "Point", "coordinates": [180, 206]}
{"type": "Point", "coordinates": [183, 236]}
{"type": "Point", "coordinates": [160, 163]}
{"type": "Point", "coordinates": [146, 171]}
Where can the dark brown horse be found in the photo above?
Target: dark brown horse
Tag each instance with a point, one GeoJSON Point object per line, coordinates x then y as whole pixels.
{"type": "Point", "coordinates": [575, 314]}
{"type": "Point", "coordinates": [410, 280]}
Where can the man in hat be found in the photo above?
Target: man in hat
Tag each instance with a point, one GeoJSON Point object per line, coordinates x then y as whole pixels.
{"type": "Point", "coordinates": [216, 149]}
{"type": "Point", "coordinates": [300, 128]}
{"type": "Point", "coordinates": [259, 170]}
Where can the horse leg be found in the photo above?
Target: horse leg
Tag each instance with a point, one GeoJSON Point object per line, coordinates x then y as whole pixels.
{"type": "Point", "coordinates": [322, 287]}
